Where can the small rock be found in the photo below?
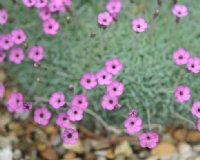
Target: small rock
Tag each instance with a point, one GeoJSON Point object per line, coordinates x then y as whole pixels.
{"type": "Point", "coordinates": [22, 116]}
{"type": "Point", "coordinates": [101, 158]}
{"type": "Point", "coordinates": [69, 155]}
{"type": "Point", "coordinates": [164, 149]}
{"type": "Point", "coordinates": [77, 148]}
{"type": "Point", "coordinates": [17, 154]}
{"type": "Point", "coordinates": [100, 144]}
{"type": "Point", "coordinates": [110, 154]}
{"type": "Point", "coordinates": [143, 154]}
{"type": "Point", "coordinates": [15, 129]}
{"type": "Point", "coordinates": [87, 145]}
{"type": "Point", "coordinates": [193, 136]}
{"type": "Point", "coordinates": [90, 156]}
{"type": "Point", "coordinates": [101, 153]}
{"type": "Point", "coordinates": [180, 134]}
{"type": "Point", "coordinates": [152, 158]}
{"type": "Point", "coordinates": [123, 149]}
{"type": "Point", "coordinates": [49, 154]}
{"type": "Point", "coordinates": [56, 141]}
{"type": "Point", "coordinates": [6, 154]}
{"type": "Point", "coordinates": [184, 148]}
{"type": "Point", "coordinates": [60, 150]}
{"type": "Point", "coordinates": [120, 157]}
{"type": "Point", "coordinates": [196, 148]}
{"type": "Point", "coordinates": [51, 129]}
{"type": "Point", "coordinates": [5, 119]}
{"type": "Point", "coordinates": [40, 146]}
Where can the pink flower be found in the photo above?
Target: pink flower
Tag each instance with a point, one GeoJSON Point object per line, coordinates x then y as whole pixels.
{"type": "Point", "coordinates": [139, 25]}
{"type": "Point", "coordinates": [51, 26]}
{"type": "Point", "coordinates": [29, 3]}
{"type": "Point", "coordinates": [104, 19]}
{"type": "Point", "coordinates": [80, 101]}
{"type": "Point", "coordinates": [114, 6]}
{"type": "Point", "coordinates": [103, 77]}
{"type": "Point", "coordinates": [198, 124]}
{"type": "Point", "coordinates": [115, 88]}
{"type": "Point", "coordinates": [36, 53]}
{"type": "Point", "coordinates": [182, 93]}
{"type": "Point", "coordinates": [16, 55]}
{"type": "Point", "coordinates": [2, 90]}
{"type": "Point", "coordinates": [181, 56]}
{"type": "Point", "coordinates": [75, 113]}
{"type": "Point", "coordinates": [70, 136]}
{"type": "Point", "coordinates": [133, 124]}
{"type": "Point", "coordinates": [62, 120]}
{"type": "Point", "coordinates": [6, 41]}
{"type": "Point", "coordinates": [44, 13]}
{"type": "Point", "coordinates": [195, 110]}
{"type": "Point", "coordinates": [113, 66]}
{"type": "Point", "coordinates": [42, 116]}
{"type": "Point", "coordinates": [180, 10]}
{"type": "Point", "coordinates": [2, 56]}
{"type": "Point", "coordinates": [67, 3]}
{"type": "Point", "coordinates": [27, 106]}
{"type": "Point", "coordinates": [108, 102]}
{"type": "Point", "coordinates": [148, 139]}
{"type": "Point", "coordinates": [18, 36]}
{"type": "Point", "coordinates": [133, 112]}
{"type": "Point", "coordinates": [3, 16]}
{"type": "Point", "coordinates": [41, 3]}
{"type": "Point", "coordinates": [193, 64]}
{"type": "Point", "coordinates": [55, 5]}
{"type": "Point", "coordinates": [15, 102]}
{"type": "Point", "coordinates": [88, 81]}
{"type": "Point", "coordinates": [57, 100]}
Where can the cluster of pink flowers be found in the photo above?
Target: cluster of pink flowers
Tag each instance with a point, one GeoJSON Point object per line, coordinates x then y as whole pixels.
{"type": "Point", "coordinates": [46, 9]}
{"type": "Point", "coordinates": [133, 123]}
{"type": "Point", "coordinates": [113, 8]}
{"type": "Point", "coordinates": [75, 112]}
{"type": "Point", "coordinates": [182, 94]}
{"type": "Point", "coordinates": [104, 77]}
{"type": "Point", "coordinates": [17, 37]}
{"type": "Point", "coordinates": [183, 57]}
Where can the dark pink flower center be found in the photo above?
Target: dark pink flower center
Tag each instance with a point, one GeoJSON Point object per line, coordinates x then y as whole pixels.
{"type": "Point", "coordinates": [138, 26]}
{"type": "Point", "coordinates": [192, 65]}
{"type": "Point", "coordinates": [104, 76]}
{"type": "Point", "coordinates": [88, 80]}
{"type": "Point", "coordinates": [111, 101]}
{"type": "Point", "coordinates": [69, 135]}
{"type": "Point", "coordinates": [80, 102]}
{"type": "Point", "coordinates": [198, 110]}
{"type": "Point", "coordinates": [114, 89]}
{"type": "Point", "coordinates": [19, 37]}
{"type": "Point", "coordinates": [6, 41]}
{"type": "Point", "coordinates": [104, 20]}
{"type": "Point", "coordinates": [50, 26]}
{"type": "Point", "coordinates": [181, 92]}
{"type": "Point", "coordinates": [41, 115]}
{"type": "Point", "coordinates": [17, 55]}
{"type": "Point", "coordinates": [132, 122]}
{"type": "Point", "coordinates": [113, 66]}
{"type": "Point", "coordinates": [180, 57]}
{"type": "Point", "coordinates": [75, 112]}
{"type": "Point", "coordinates": [64, 118]}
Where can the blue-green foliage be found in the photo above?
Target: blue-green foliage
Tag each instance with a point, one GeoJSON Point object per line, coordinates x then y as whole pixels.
{"type": "Point", "coordinates": [149, 75]}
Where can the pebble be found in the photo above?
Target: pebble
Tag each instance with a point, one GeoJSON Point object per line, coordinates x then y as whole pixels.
{"type": "Point", "coordinates": [17, 154]}
{"type": "Point", "coordinates": [123, 149]}
{"type": "Point", "coordinates": [6, 154]}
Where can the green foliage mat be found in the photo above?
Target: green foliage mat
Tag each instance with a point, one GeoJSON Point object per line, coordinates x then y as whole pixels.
{"type": "Point", "coordinates": [150, 76]}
